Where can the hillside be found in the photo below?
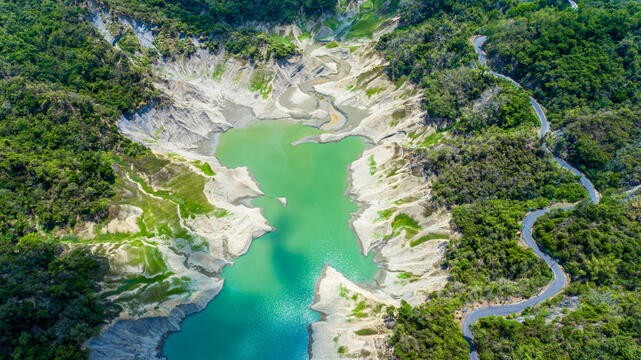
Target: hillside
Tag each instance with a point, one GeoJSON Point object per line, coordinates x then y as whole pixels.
{"type": "Point", "coordinates": [120, 218]}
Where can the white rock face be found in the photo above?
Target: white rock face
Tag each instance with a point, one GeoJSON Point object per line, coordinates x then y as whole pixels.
{"type": "Point", "coordinates": [391, 187]}
{"type": "Point", "coordinates": [385, 184]}
{"type": "Point", "coordinates": [352, 324]}
{"type": "Point", "coordinates": [124, 221]}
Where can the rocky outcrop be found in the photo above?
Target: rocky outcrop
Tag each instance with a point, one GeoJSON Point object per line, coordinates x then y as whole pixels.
{"type": "Point", "coordinates": [353, 320]}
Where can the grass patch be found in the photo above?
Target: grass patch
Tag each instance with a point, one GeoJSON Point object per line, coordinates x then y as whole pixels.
{"type": "Point", "coordinates": [404, 200]}
{"type": "Point", "coordinates": [364, 26]}
{"type": "Point", "coordinates": [331, 45]}
{"type": "Point", "coordinates": [413, 135]}
{"type": "Point", "coordinates": [158, 131]}
{"type": "Point", "coordinates": [305, 35]}
{"type": "Point", "coordinates": [352, 48]}
{"type": "Point", "coordinates": [283, 40]}
{"type": "Point", "coordinates": [432, 139]}
{"type": "Point", "coordinates": [182, 193]}
{"type": "Point", "coordinates": [365, 78]}
{"type": "Point", "coordinates": [218, 212]}
{"type": "Point", "coordinates": [373, 91]}
{"type": "Point", "coordinates": [397, 116]}
{"type": "Point", "coordinates": [407, 223]}
{"type": "Point", "coordinates": [219, 70]}
{"type": "Point", "coordinates": [342, 291]}
{"type": "Point", "coordinates": [367, 5]}
{"type": "Point", "coordinates": [359, 310]}
{"type": "Point", "coordinates": [372, 165]}
{"type": "Point", "coordinates": [332, 23]}
{"type": "Point", "coordinates": [187, 191]}
{"type": "Point", "coordinates": [392, 172]}
{"type": "Point", "coordinates": [341, 350]}
{"type": "Point", "coordinates": [205, 168]}
{"type": "Point", "coordinates": [400, 81]}
{"type": "Point", "coordinates": [405, 276]}
{"type": "Point", "coordinates": [365, 332]}
{"type": "Point", "coordinates": [428, 237]}
{"type": "Point", "coordinates": [260, 82]}
{"type": "Point", "coordinates": [385, 214]}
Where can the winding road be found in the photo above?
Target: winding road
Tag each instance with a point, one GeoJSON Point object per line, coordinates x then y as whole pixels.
{"type": "Point", "coordinates": [560, 278]}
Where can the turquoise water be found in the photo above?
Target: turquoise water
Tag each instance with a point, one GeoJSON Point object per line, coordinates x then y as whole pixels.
{"type": "Point", "coordinates": [263, 310]}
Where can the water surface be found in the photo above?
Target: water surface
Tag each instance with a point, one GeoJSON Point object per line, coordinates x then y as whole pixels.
{"type": "Point", "coordinates": [263, 310]}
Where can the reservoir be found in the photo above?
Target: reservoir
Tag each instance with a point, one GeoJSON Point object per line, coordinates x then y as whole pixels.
{"type": "Point", "coordinates": [263, 310]}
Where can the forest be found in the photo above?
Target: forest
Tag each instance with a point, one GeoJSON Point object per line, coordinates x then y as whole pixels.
{"type": "Point", "coordinates": [429, 332]}
{"type": "Point", "coordinates": [584, 67]}
{"type": "Point", "coordinates": [490, 169]}
{"type": "Point", "coordinates": [497, 165]}
{"type": "Point", "coordinates": [49, 304]}
{"type": "Point", "coordinates": [599, 316]}
{"type": "Point", "coordinates": [219, 24]}
{"type": "Point", "coordinates": [63, 89]}
{"type": "Point", "coordinates": [598, 244]}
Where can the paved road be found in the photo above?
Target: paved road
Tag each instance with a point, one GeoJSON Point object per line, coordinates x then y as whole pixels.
{"type": "Point", "coordinates": [560, 278]}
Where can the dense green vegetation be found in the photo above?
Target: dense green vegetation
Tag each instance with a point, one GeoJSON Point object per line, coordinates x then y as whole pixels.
{"type": "Point", "coordinates": [489, 166]}
{"type": "Point", "coordinates": [49, 307]}
{"type": "Point", "coordinates": [219, 23]}
{"type": "Point", "coordinates": [196, 17]}
{"type": "Point", "coordinates": [61, 93]}
{"type": "Point", "coordinates": [598, 246]}
{"type": "Point", "coordinates": [62, 90]}
{"type": "Point", "coordinates": [428, 331]}
{"type": "Point", "coordinates": [572, 59]}
{"type": "Point", "coordinates": [584, 73]}
{"type": "Point", "coordinates": [496, 165]}
{"type": "Point", "coordinates": [485, 263]}
{"type": "Point", "coordinates": [604, 144]}
{"type": "Point", "coordinates": [487, 258]}
{"type": "Point", "coordinates": [584, 67]}
{"type": "Point", "coordinates": [491, 121]}
{"type": "Point", "coordinates": [604, 325]}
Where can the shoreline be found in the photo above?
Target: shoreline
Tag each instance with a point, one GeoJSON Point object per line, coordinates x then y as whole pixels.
{"type": "Point", "coordinates": [188, 141]}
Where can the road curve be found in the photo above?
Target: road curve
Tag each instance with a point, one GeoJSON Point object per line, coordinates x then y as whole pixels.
{"type": "Point", "coordinates": [560, 278]}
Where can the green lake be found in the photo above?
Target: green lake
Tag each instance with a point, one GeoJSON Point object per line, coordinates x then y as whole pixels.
{"type": "Point", "coordinates": [263, 310]}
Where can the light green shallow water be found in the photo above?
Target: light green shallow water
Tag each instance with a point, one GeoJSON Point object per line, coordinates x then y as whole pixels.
{"type": "Point", "coordinates": [263, 310]}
